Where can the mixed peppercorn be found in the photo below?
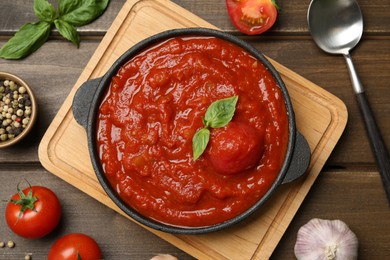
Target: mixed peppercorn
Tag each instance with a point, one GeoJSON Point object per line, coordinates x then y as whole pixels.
{"type": "Point", "coordinates": [15, 109]}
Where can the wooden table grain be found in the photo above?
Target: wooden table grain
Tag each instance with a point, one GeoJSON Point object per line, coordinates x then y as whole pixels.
{"type": "Point", "coordinates": [348, 188]}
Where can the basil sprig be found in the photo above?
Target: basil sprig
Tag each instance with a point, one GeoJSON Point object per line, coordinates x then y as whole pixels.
{"type": "Point", "coordinates": [218, 114]}
{"type": "Point", "coordinates": [70, 14]}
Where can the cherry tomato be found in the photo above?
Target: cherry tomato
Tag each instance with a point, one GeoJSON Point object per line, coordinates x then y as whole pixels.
{"type": "Point", "coordinates": [252, 16]}
{"type": "Point", "coordinates": [235, 148]}
{"type": "Point", "coordinates": [75, 246]}
{"type": "Point", "coordinates": [33, 212]}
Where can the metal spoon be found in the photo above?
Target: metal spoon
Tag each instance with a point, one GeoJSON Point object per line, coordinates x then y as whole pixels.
{"type": "Point", "coordinates": [337, 26]}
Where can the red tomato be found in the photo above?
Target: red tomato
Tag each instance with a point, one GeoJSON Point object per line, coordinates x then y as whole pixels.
{"type": "Point", "coordinates": [75, 246]}
{"type": "Point", "coordinates": [33, 212]}
{"type": "Point", "coordinates": [235, 148]}
{"type": "Point", "coordinates": [252, 16]}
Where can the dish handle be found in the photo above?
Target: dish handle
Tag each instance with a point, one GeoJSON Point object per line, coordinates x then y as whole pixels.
{"type": "Point", "coordinates": [82, 101]}
{"type": "Point", "coordinates": [299, 161]}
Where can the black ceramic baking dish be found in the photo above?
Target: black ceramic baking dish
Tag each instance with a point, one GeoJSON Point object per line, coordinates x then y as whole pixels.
{"type": "Point", "coordinates": [88, 98]}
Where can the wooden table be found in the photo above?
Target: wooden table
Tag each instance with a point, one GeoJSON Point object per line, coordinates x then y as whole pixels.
{"type": "Point", "coordinates": [348, 188]}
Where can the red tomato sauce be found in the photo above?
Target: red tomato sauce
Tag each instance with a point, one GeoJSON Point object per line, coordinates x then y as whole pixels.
{"type": "Point", "coordinates": [151, 112]}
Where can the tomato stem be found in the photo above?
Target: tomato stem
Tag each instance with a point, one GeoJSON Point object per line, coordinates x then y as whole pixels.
{"type": "Point", "coordinates": [78, 253]}
{"type": "Point", "coordinates": [276, 5]}
{"type": "Point", "coordinates": [26, 201]}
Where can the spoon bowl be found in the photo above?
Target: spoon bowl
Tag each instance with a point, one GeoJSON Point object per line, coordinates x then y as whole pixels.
{"type": "Point", "coordinates": [337, 27]}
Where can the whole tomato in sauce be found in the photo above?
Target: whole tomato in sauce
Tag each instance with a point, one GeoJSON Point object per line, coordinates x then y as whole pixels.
{"type": "Point", "coordinates": [33, 212]}
{"type": "Point", "coordinates": [75, 246]}
{"type": "Point", "coordinates": [235, 148]}
{"type": "Point", "coordinates": [252, 16]}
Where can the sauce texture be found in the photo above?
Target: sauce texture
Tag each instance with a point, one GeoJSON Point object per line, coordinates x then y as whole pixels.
{"type": "Point", "coordinates": [151, 112]}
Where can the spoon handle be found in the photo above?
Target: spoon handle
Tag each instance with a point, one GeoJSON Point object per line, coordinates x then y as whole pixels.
{"type": "Point", "coordinates": [378, 146]}
{"type": "Point", "coordinates": [380, 152]}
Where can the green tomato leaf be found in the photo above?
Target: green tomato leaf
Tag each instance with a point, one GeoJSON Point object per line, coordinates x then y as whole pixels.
{"type": "Point", "coordinates": [220, 112]}
{"type": "Point", "coordinates": [67, 6]}
{"type": "Point", "coordinates": [44, 11]}
{"type": "Point", "coordinates": [28, 39]}
{"type": "Point", "coordinates": [68, 31]}
{"type": "Point", "coordinates": [199, 142]}
{"type": "Point", "coordinates": [79, 14]}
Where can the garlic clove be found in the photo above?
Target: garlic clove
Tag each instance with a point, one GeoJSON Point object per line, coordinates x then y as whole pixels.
{"type": "Point", "coordinates": [326, 240]}
{"type": "Point", "coordinates": [164, 257]}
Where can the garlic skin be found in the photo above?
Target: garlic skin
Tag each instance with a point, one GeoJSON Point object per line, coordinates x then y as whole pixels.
{"type": "Point", "coordinates": [321, 239]}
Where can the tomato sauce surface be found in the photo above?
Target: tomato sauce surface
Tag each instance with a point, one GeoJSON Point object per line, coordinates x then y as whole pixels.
{"type": "Point", "coordinates": [151, 112]}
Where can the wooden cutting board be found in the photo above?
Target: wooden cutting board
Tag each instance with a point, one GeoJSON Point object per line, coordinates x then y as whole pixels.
{"type": "Point", "coordinates": [321, 118]}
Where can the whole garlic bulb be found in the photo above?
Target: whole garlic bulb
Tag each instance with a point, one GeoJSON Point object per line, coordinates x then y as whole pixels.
{"type": "Point", "coordinates": [321, 239]}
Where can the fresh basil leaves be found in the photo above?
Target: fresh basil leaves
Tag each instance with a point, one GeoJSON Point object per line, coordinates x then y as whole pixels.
{"type": "Point", "coordinates": [68, 31]}
{"type": "Point", "coordinates": [44, 11]}
{"type": "Point", "coordinates": [200, 141]}
{"type": "Point", "coordinates": [28, 39]}
{"type": "Point", "coordinates": [218, 114]}
{"type": "Point", "coordinates": [70, 14]}
{"type": "Point", "coordinates": [81, 12]}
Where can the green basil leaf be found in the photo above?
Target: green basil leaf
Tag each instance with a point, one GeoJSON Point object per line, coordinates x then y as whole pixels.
{"type": "Point", "coordinates": [68, 31]}
{"type": "Point", "coordinates": [220, 112]}
{"type": "Point", "coordinates": [85, 12]}
{"type": "Point", "coordinates": [28, 39]}
{"type": "Point", "coordinates": [67, 6]}
{"type": "Point", "coordinates": [44, 10]}
{"type": "Point", "coordinates": [199, 142]}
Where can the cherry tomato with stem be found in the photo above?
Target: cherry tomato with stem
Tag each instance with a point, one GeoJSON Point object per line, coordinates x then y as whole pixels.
{"type": "Point", "coordinates": [252, 16]}
{"type": "Point", "coordinates": [75, 246]}
{"type": "Point", "coordinates": [33, 212]}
